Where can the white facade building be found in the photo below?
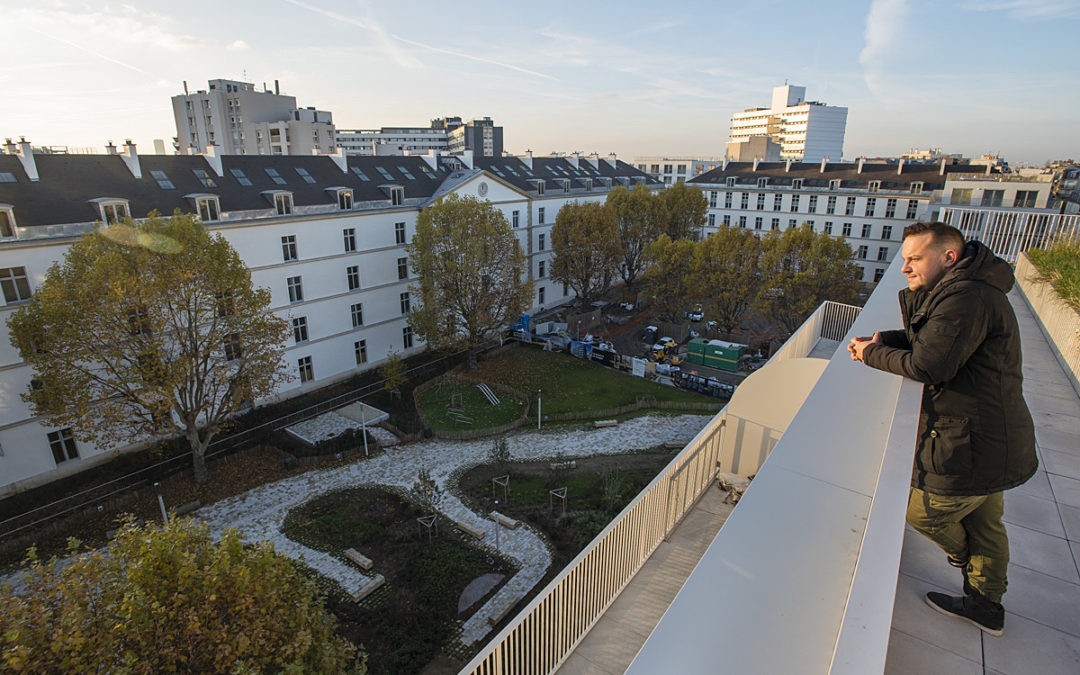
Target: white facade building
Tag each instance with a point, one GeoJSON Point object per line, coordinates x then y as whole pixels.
{"type": "Point", "coordinates": [806, 130]}
{"type": "Point", "coordinates": [326, 234]}
{"type": "Point", "coordinates": [242, 121]}
{"type": "Point", "coordinates": [391, 141]}
{"type": "Point", "coordinates": [867, 204]}
{"type": "Point", "coordinates": [671, 170]}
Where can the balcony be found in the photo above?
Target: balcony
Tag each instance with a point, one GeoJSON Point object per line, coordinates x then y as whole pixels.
{"type": "Point", "coordinates": [814, 571]}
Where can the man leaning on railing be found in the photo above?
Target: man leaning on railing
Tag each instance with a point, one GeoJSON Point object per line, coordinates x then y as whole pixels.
{"type": "Point", "coordinates": [975, 437]}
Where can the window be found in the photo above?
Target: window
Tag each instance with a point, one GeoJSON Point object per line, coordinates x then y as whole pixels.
{"type": "Point", "coordinates": [540, 215]}
{"type": "Point", "coordinates": [744, 200]}
{"type": "Point", "coordinates": [359, 173]}
{"type": "Point", "coordinates": [397, 196]}
{"type": "Point", "coordinates": [886, 231]}
{"type": "Point", "coordinates": [405, 172]}
{"type": "Point", "coordinates": [912, 208]}
{"type": "Point", "coordinates": [796, 184]}
{"type": "Point", "coordinates": [296, 289]}
{"type": "Point", "coordinates": [890, 208]}
{"type": "Point", "coordinates": [232, 348]}
{"type": "Point", "coordinates": [794, 203]}
{"type": "Point", "coordinates": [834, 184]}
{"type": "Point", "coordinates": [846, 230]}
{"type": "Point", "coordinates": [276, 177]}
{"type": "Point", "coordinates": [757, 223]}
{"type": "Point", "coordinates": [871, 204]}
{"type": "Point", "coordinates": [515, 218]}
{"type": "Point", "coordinates": [916, 188]}
{"type": "Point", "coordinates": [226, 306]}
{"type": "Point", "coordinates": [655, 168]}
{"type": "Point", "coordinates": [812, 206]}
{"type": "Point", "coordinates": [299, 329]}
{"type": "Point", "coordinates": [830, 205]}
{"type": "Point", "coordinates": [283, 203]}
{"type": "Point", "coordinates": [862, 252]}
{"type": "Point", "coordinates": [162, 179]}
{"type": "Point", "coordinates": [204, 178]}
{"type": "Point", "coordinates": [209, 210]}
{"type": "Point", "coordinates": [288, 247]}
{"type": "Point", "coordinates": [539, 188]}
{"type": "Point", "coordinates": [742, 221]}
{"type": "Point", "coordinates": [792, 223]}
{"type": "Point", "coordinates": [712, 199]}
{"type": "Point", "coordinates": [874, 186]}
{"type": "Point", "coordinates": [404, 303]}
{"type": "Point", "coordinates": [667, 168]}
{"type": "Point", "coordinates": [541, 269]}
{"type": "Point", "coordinates": [238, 174]}
{"type": "Point", "coordinates": [540, 242]}
{"type": "Point", "coordinates": [828, 227]}
{"type": "Point", "coordinates": [357, 312]}
{"type": "Point", "coordinates": [307, 372]}
{"type": "Point", "coordinates": [776, 202]}
{"type": "Point", "coordinates": [761, 201]}
{"type": "Point", "coordinates": [776, 223]}
{"type": "Point", "coordinates": [7, 177]}
{"type": "Point", "coordinates": [963, 196]}
{"type": "Point", "coordinates": [727, 220]}
{"type": "Point", "coordinates": [402, 268]}
{"type": "Point", "coordinates": [344, 200]}
{"type": "Point", "coordinates": [731, 181]}
{"type": "Point", "coordinates": [114, 212]}
{"type": "Point", "coordinates": [15, 285]}
{"type": "Point", "coordinates": [7, 222]}
{"type": "Point", "coordinates": [1024, 198]}
{"type": "Point", "coordinates": [540, 296]}
{"type": "Point", "coordinates": [866, 230]}
{"type": "Point", "coordinates": [138, 323]}
{"type": "Point", "coordinates": [406, 337]}
{"type": "Point", "coordinates": [680, 168]}
{"type": "Point", "coordinates": [849, 209]}
{"type": "Point", "coordinates": [882, 252]}
{"type": "Point", "coordinates": [349, 235]}
{"type": "Point", "coordinates": [399, 233]}
{"type": "Point", "coordinates": [878, 274]}
{"type": "Point", "coordinates": [385, 174]}
{"type": "Point", "coordinates": [712, 220]}
{"type": "Point", "coordinates": [810, 223]}
{"type": "Point", "coordinates": [63, 445]}
{"type": "Point", "coordinates": [352, 277]}
{"type": "Point", "coordinates": [360, 350]}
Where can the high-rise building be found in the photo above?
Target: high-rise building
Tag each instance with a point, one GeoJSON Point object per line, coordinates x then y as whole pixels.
{"type": "Point", "coordinates": [239, 120]}
{"type": "Point", "coordinates": [806, 130]}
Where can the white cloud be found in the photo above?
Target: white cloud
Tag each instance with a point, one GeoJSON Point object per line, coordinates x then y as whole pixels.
{"type": "Point", "coordinates": [238, 46]}
{"type": "Point", "coordinates": [1028, 9]}
{"type": "Point", "coordinates": [884, 30]}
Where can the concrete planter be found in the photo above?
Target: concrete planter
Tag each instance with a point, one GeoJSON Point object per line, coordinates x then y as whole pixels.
{"type": "Point", "coordinates": [1059, 322]}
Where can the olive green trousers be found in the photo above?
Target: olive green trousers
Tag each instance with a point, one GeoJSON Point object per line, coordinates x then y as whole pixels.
{"type": "Point", "coordinates": [966, 528]}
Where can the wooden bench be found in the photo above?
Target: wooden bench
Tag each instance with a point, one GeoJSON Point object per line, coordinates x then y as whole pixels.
{"type": "Point", "coordinates": [374, 584]}
{"type": "Point", "coordinates": [360, 559]}
{"type": "Point", "coordinates": [505, 521]}
{"type": "Point", "coordinates": [600, 424]}
{"type": "Point", "coordinates": [469, 529]}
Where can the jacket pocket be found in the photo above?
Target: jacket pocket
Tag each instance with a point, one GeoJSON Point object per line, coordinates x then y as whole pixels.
{"type": "Point", "coordinates": [948, 442]}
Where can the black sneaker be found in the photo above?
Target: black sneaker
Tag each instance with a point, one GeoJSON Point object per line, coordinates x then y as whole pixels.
{"type": "Point", "coordinates": [988, 616]}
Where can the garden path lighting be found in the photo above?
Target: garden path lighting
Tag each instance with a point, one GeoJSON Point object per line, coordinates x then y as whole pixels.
{"type": "Point", "coordinates": [495, 519]}
{"type": "Point", "coordinates": [161, 503]}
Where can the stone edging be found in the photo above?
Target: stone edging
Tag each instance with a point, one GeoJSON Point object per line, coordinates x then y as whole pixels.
{"type": "Point", "coordinates": [1059, 322]}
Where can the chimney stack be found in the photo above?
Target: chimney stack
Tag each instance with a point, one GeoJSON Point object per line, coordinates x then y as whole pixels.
{"type": "Point", "coordinates": [900, 167]}
{"type": "Point", "coordinates": [862, 160]}
{"type": "Point", "coordinates": [787, 165]}
{"type": "Point", "coordinates": [277, 88]}
{"type": "Point", "coordinates": [757, 160]}
{"type": "Point", "coordinates": [10, 147]}
{"type": "Point", "coordinates": [824, 163]}
{"type": "Point", "coordinates": [941, 172]}
{"type": "Point", "coordinates": [26, 156]}
{"type": "Point", "coordinates": [131, 158]}
{"type": "Point", "coordinates": [110, 149]}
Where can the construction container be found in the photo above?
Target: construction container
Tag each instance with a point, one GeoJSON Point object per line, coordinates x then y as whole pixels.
{"type": "Point", "coordinates": [715, 353]}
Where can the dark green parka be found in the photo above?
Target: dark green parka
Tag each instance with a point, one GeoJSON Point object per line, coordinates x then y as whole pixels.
{"type": "Point", "coordinates": [961, 340]}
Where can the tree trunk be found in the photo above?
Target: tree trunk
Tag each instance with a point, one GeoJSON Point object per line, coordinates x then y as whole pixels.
{"type": "Point", "coordinates": [198, 456]}
{"type": "Point", "coordinates": [473, 365]}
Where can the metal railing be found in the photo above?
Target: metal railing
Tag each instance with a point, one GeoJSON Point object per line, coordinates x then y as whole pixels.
{"type": "Point", "coordinates": [559, 617]}
{"type": "Point", "coordinates": [831, 321]}
{"type": "Point", "coordinates": [1010, 232]}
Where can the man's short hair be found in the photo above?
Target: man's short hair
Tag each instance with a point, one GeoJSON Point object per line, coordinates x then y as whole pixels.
{"type": "Point", "coordinates": [943, 236]}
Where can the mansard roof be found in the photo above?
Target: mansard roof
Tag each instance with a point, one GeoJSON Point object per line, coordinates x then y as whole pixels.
{"type": "Point", "coordinates": [847, 173]}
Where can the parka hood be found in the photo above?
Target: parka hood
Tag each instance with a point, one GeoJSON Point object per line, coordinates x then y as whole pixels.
{"type": "Point", "coordinates": [980, 264]}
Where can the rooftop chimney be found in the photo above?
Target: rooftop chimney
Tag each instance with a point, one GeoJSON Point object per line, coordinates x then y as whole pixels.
{"type": "Point", "coordinates": [900, 167]}
{"type": "Point", "coordinates": [988, 167]}
{"type": "Point", "coordinates": [185, 88]}
{"type": "Point", "coordinates": [338, 157]}
{"type": "Point", "coordinates": [110, 149]}
{"type": "Point", "coordinates": [824, 162]}
{"type": "Point", "coordinates": [131, 158]}
{"type": "Point", "coordinates": [723, 166]}
{"type": "Point", "coordinates": [527, 159]}
{"type": "Point", "coordinates": [944, 160]}
{"type": "Point", "coordinates": [787, 165]}
{"type": "Point", "coordinates": [9, 147]}
{"type": "Point", "coordinates": [213, 159]}
{"type": "Point", "coordinates": [277, 88]}
{"type": "Point", "coordinates": [26, 156]}
{"type": "Point", "coordinates": [862, 160]}
{"type": "Point", "coordinates": [757, 160]}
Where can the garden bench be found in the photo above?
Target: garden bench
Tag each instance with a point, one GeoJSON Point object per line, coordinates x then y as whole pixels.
{"type": "Point", "coordinates": [362, 560]}
{"type": "Point", "coordinates": [568, 464]}
{"type": "Point", "coordinates": [505, 521]}
{"type": "Point", "coordinates": [469, 529]}
{"type": "Point", "coordinates": [372, 585]}
{"type": "Point", "coordinates": [600, 424]}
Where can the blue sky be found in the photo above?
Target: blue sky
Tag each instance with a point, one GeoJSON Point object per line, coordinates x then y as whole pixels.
{"type": "Point", "coordinates": [970, 76]}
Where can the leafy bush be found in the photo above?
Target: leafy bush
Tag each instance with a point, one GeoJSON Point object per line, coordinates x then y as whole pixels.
{"type": "Point", "coordinates": [1060, 266]}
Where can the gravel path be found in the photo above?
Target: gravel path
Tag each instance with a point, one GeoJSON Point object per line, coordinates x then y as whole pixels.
{"type": "Point", "coordinates": [259, 513]}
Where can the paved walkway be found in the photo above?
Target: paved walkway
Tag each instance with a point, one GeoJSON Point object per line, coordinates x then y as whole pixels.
{"type": "Point", "coordinates": [1042, 605]}
{"type": "Point", "coordinates": [259, 513]}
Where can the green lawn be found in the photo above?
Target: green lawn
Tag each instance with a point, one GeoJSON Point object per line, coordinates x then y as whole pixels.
{"type": "Point", "coordinates": [476, 407]}
{"type": "Point", "coordinates": [573, 385]}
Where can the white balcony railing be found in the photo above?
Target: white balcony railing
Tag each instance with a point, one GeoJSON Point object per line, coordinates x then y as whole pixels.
{"type": "Point", "coordinates": [1010, 232]}
{"type": "Point", "coordinates": [540, 638]}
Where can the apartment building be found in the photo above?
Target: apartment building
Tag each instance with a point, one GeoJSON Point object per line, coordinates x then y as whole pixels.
{"type": "Point", "coordinates": [806, 130]}
{"type": "Point", "coordinates": [867, 204]}
{"type": "Point", "coordinates": [326, 234]}
{"type": "Point", "coordinates": [671, 170]}
{"type": "Point", "coordinates": [481, 137]}
{"type": "Point", "coordinates": [239, 120]}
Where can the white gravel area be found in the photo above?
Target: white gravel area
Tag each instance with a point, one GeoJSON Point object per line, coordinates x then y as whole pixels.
{"type": "Point", "coordinates": [259, 513]}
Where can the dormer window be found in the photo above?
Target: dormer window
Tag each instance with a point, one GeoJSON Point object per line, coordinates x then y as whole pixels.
{"type": "Point", "coordinates": [762, 182]}
{"type": "Point", "coordinates": [112, 210]}
{"type": "Point", "coordinates": [873, 186]}
{"type": "Point", "coordinates": [624, 180]}
{"type": "Point", "coordinates": [605, 181]}
{"type": "Point", "coordinates": [565, 184]}
{"type": "Point", "coordinates": [345, 199]}
{"type": "Point", "coordinates": [209, 208]}
{"type": "Point", "coordinates": [796, 184]}
{"type": "Point", "coordinates": [587, 183]}
{"type": "Point", "coordinates": [916, 188]}
{"type": "Point", "coordinates": [7, 221]}
{"type": "Point", "coordinates": [834, 184]}
{"type": "Point", "coordinates": [397, 196]}
{"type": "Point", "coordinates": [282, 201]}
{"type": "Point", "coordinates": [539, 183]}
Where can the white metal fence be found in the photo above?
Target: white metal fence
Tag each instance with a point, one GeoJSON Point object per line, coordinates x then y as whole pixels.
{"type": "Point", "coordinates": [540, 638]}
{"type": "Point", "coordinates": [1010, 232]}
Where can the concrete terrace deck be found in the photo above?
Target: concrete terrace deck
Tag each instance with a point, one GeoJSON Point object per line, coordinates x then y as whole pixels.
{"type": "Point", "coordinates": [1042, 605]}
